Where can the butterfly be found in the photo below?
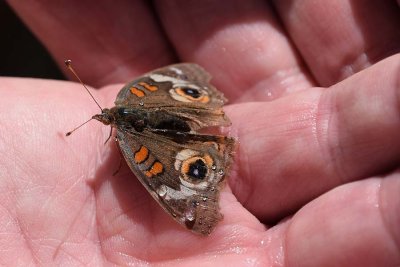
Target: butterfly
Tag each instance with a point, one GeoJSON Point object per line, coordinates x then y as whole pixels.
{"type": "Point", "coordinates": [158, 118]}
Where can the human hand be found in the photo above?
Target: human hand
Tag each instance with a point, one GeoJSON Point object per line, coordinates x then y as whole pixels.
{"type": "Point", "coordinates": [324, 158]}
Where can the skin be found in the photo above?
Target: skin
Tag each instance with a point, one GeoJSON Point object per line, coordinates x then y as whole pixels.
{"type": "Point", "coordinates": [314, 94]}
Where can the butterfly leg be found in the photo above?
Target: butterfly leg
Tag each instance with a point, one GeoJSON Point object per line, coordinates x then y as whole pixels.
{"type": "Point", "coordinates": [109, 136]}
{"type": "Point", "coordinates": [120, 158]}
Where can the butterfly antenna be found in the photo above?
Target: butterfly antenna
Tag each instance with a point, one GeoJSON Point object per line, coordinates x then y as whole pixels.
{"type": "Point", "coordinates": [76, 128]}
{"type": "Point", "coordinates": [68, 63]}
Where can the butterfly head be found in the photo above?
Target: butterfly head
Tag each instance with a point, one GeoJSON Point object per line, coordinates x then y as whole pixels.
{"type": "Point", "coordinates": [106, 117]}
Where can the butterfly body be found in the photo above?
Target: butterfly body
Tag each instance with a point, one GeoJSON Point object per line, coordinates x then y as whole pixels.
{"type": "Point", "coordinates": [139, 119]}
{"type": "Point", "coordinates": [157, 118]}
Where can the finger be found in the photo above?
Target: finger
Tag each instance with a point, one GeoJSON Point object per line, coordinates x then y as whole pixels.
{"type": "Point", "coordinates": [112, 42]}
{"type": "Point", "coordinates": [352, 225]}
{"type": "Point", "coordinates": [338, 39]}
{"type": "Point", "coordinates": [241, 43]}
{"type": "Point", "coordinates": [296, 148]}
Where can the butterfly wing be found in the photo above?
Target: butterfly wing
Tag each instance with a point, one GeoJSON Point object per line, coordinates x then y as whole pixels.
{"type": "Point", "coordinates": [182, 90]}
{"type": "Point", "coordinates": [183, 172]}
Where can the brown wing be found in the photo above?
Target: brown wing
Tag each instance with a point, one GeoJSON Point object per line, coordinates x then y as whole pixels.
{"type": "Point", "coordinates": [184, 178]}
{"type": "Point", "coordinates": [181, 89]}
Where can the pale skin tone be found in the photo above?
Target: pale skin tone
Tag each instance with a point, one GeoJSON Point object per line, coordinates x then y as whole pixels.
{"type": "Point", "coordinates": [314, 94]}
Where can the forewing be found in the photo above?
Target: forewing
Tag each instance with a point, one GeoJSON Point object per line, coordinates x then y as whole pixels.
{"type": "Point", "coordinates": [180, 89]}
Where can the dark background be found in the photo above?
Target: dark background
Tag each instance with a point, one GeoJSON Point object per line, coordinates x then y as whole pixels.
{"type": "Point", "coordinates": [21, 54]}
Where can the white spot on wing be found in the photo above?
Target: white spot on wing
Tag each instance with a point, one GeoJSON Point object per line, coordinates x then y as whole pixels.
{"type": "Point", "coordinates": [176, 70]}
{"type": "Point", "coordinates": [176, 82]}
{"type": "Point", "coordinates": [182, 156]}
{"type": "Point", "coordinates": [162, 191]}
{"type": "Point", "coordinates": [183, 193]}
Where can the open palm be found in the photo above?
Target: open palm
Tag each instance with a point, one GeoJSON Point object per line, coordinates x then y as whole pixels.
{"type": "Point", "coordinates": [314, 181]}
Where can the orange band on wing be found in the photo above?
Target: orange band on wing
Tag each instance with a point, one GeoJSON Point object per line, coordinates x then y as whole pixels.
{"type": "Point", "coordinates": [155, 169]}
{"type": "Point", "coordinates": [137, 92]}
{"type": "Point", "coordinates": [149, 87]}
{"type": "Point", "coordinates": [186, 164]}
{"type": "Point", "coordinates": [201, 98]}
{"type": "Point", "coordinates": [141, 155]}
